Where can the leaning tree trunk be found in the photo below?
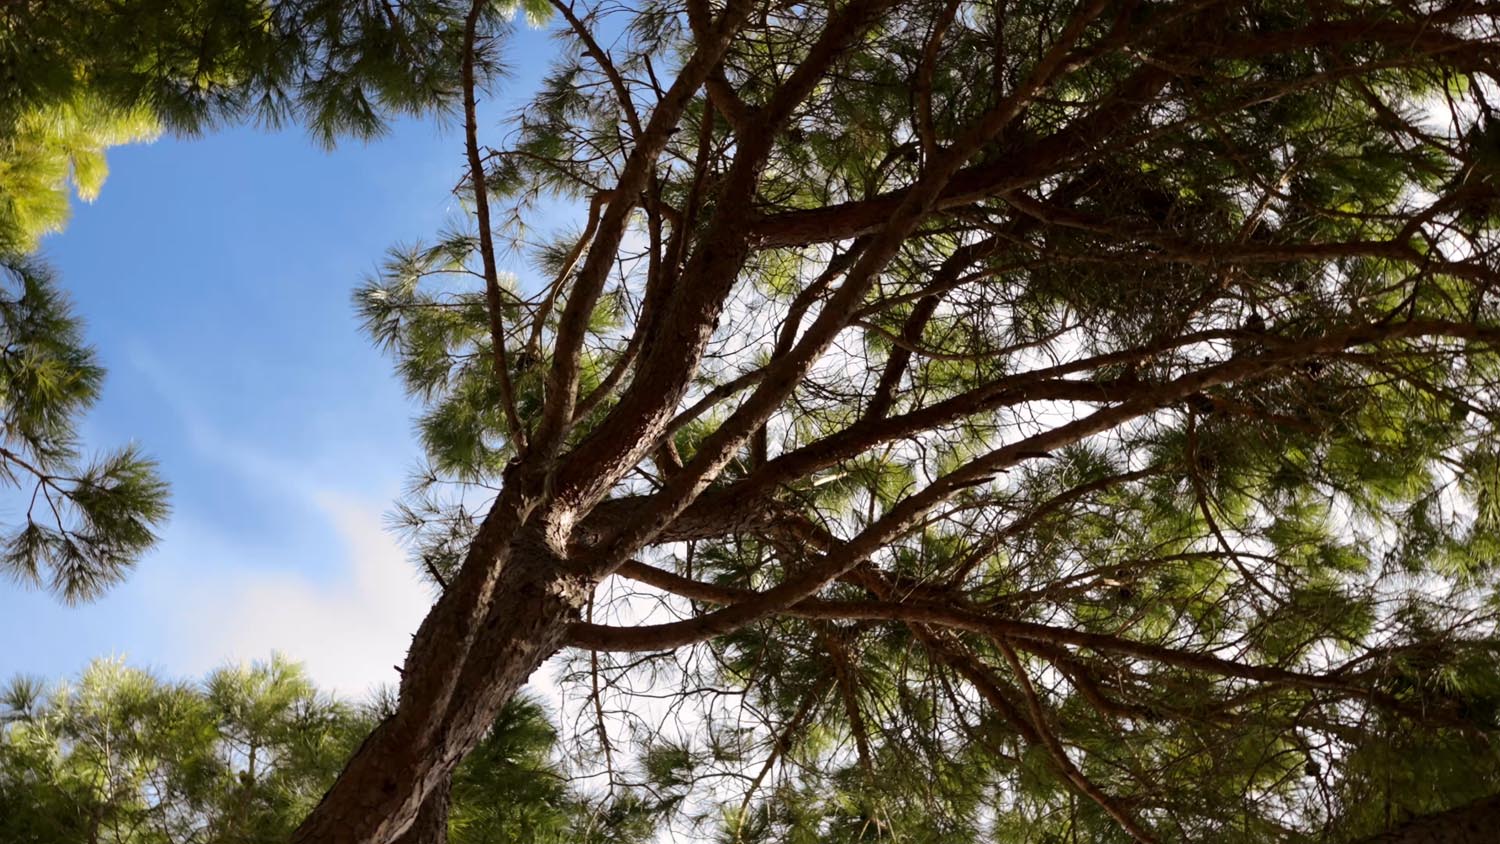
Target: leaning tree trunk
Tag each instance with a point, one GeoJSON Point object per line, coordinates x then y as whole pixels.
{"type": "Point", "coordinates": [1472, 823]}
{"type": "Point", "coordinates": [504, 614]}
{"type": "Point", "coordinates": [431, 825]}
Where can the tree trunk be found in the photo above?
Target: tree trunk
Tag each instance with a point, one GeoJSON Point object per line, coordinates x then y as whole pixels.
{"type": "Point", "coordinates": [504, 614]}
{"type": "Point", "coordinates": [502, 617]}
{"type": "Point", "coordinates": [431, 825]}
{"type": "Point", "coordinates": [1473, 823]}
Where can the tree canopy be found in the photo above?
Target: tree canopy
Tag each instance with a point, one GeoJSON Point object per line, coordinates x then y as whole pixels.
{"type": "Point", "coordinates": [1029, 420]}
{"type": "Point", "coordinates": [1036, 421]}
{"type": "Point", "coordinates": [122, 757]}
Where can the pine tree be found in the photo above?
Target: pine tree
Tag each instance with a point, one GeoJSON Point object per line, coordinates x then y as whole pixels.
{"type": "Point", "coordinates": [1048, 420]}
{"type": "Point", "coordinates": [79, 76]}
{"type": "Point", "coordinates": [123, 757]}
{"type": "Point", "coordinates": [85, 522]}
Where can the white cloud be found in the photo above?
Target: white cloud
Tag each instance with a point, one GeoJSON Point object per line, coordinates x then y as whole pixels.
{"type": "Point", "coordinates": [344, 609]}
{"type": "Point", "coordinates": [350, 626]}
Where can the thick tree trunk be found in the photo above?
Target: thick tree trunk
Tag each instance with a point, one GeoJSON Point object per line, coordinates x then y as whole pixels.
{"type": "Point", "coordinates": [431, 825]}
{"type": "Point", "coordinates": [505, 614]}
{"type": "Point", "coordinates": [1473, 823]}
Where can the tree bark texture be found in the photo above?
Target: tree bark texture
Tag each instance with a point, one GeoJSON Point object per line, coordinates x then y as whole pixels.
{"type": "Point", "coordinates": [476, 648]}
{"type": "Point", "coordinates": [431, 825]}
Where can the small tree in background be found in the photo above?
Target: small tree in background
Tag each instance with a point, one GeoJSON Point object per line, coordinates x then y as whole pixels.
{"type": "Point", "coordinates": [122, 757]}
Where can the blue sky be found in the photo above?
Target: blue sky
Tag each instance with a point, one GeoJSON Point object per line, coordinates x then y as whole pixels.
{"type": "Point", "coordinates": [215, 275]}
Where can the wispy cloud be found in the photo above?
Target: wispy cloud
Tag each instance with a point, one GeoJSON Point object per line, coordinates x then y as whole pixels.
{"type": "Point", "coordinates": [350, 624]}
{"type": "Point", "coordinates": [345, 608]}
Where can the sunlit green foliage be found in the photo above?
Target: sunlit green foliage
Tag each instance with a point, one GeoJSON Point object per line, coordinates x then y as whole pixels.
{"type": "Point", "coordinates": [123, 757]}
{"type": "Point", "coordinates": [1263, 610]}
{"type": "Point", "coordinates": [79, 76]}
{"type": "Point", "coordinates": [44, 149]}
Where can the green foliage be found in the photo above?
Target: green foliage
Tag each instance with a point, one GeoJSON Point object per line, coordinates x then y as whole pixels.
{"type": "Point", "coordinates": [86, 522]}
{"type": "Point", "coordinates": [79, 76]}
{"type": "Point", "coordinates": [123, 757]}
{"type": "Point", "coordinates": [44, 149]}
{"type": "Point", "coordinates": [1330, 516]}
{"type": "Point", "coordinates": [511, 790]}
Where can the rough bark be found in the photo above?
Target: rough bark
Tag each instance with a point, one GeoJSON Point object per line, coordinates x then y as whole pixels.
{"type": "Point", "coordinates": [502, 618]}
{"type": "Point", "coordinates": [431, 825]}
{"type": "Point", "coordinates": [506, 613]}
